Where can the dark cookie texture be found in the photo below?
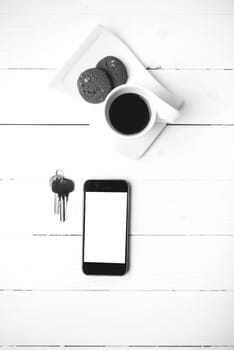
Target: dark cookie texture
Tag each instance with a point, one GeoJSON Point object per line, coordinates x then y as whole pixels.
{"type": "Point", "coordinates": [115, 69]}
{"type": "Point", "coordinates": [94, 85]}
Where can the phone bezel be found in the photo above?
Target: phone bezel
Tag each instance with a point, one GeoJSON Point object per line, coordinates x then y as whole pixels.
{"type": "Point", "coordinates": [94, 268]}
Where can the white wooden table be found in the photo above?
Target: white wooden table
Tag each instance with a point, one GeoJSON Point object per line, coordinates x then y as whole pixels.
{"type": "Point", "coordinates": [180, 288]}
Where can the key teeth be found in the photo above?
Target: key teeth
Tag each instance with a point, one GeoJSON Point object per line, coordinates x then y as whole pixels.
{"type": "Point", "coordinates": [60, 207]}
{"type": "Point", "coordinates": [63, 208]}
{"type": "Point", "coordinates": [56, 204]}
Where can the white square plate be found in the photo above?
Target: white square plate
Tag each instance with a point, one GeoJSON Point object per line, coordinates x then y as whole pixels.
{"type": "Point", "coordinates": [100, 43]}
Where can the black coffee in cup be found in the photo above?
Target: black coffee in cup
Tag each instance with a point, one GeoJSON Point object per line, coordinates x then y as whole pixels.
{"type": "Point", "coordinates": [129, 114]}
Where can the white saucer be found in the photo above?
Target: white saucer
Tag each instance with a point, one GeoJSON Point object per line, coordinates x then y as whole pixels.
{"type": "Point", "coordinates": [100, 43]}
{"type": "Point", "coordinates": [134, 148]}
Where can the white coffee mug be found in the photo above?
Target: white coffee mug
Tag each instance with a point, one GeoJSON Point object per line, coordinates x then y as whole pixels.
{"type": "Point", "coordinates": [147, 96]}
{"type": "Point", "coordinates": [163, 109]}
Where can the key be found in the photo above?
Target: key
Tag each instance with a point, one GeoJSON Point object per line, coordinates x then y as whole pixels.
{"type": "Point", "coordinates": [62, 187]}
{"type": "Point", "coordinates": [56, 198]}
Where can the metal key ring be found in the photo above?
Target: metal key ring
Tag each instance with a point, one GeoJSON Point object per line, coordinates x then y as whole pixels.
{"type": "Point", "coordinates": [60, 174]}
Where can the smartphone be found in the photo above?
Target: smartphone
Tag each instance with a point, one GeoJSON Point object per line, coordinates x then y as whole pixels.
{"type": "Point", "coordinates": [105, 227]}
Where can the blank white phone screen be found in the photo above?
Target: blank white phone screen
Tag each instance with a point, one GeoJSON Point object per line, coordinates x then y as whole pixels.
{"type": "Point", "coordinates": [105, 227]}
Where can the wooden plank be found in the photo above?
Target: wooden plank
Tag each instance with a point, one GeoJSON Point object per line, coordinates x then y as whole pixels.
{"type": "Point", "coordinates": [159, 207]}
{"type": "Point", "coordinates": [78, 347]}
{"type": "Point", "coordinates": [181, 152]}
{"type": "Point", "coordinates": [47, 40]}
{"type": "Point", "coordinates": [156, 263]}
{"type": "Point", "coordinates": [143, 318]}
{"type": "Point", "coordinates": [130, 6]}
{"type": "Point", "coordinates": [207, 95]}
{"type": "Point", "coordinates": [35, 102]}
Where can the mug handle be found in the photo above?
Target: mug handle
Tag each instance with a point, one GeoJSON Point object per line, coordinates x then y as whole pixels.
{"type": "Point", "coordinates": [167, 104]}
{"type": "Point", "coordinates": [166, 112]}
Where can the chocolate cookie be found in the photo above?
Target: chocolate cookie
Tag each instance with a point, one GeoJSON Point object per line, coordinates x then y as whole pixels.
{"type": "Point", "coordinates": [94, 85]}
{"type": "Point", "coordinates": [115, 69]}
